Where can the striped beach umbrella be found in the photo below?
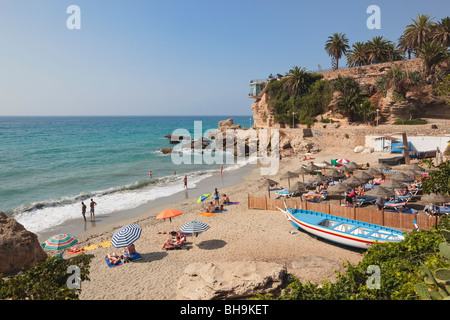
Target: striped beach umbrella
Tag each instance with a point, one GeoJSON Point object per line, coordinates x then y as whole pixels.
{"type": "Point", "coordinates": [194, 227]}
{"type": "Point", "coordinates": [126, 236]}
{"type": "Point", "coordinates": [59, 242]}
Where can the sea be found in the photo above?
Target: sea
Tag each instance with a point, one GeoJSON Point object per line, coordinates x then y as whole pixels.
{"type": "Point", "coordinates": [49, 165]}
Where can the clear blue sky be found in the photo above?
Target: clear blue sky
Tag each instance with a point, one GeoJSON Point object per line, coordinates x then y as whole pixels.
{"type": "Point", "coordinates": [172, 57]}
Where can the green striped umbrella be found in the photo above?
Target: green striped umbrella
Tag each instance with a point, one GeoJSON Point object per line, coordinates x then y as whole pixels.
{"type": "Point", "coordinates": [59, 242]}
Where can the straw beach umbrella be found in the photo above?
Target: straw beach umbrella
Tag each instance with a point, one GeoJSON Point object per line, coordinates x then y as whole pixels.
{"type": "Point", "coordinates": [288, 175]}
{"type": "Point", "coordinates": [298, 187]}
{"type": "Point", "coordinates": [403, 177]}
{"type": "Point", "coordinates": [353, 166]}
{"type": "Point", "coordinates": [269, 183]}
{"type": "Point", "coordinates": [363, 176]}
{"type": "Point", "coordinates": [126, 236]}
{"type": "Point", "coordinates": [435, 198]}
{"type": "Point", "coordinates": [302, 171]}
{"type": "Point", "coordinates": [393, 184]}
{"type": "Point", "coordinates": [353, 182]}
{"type": "Point", "coordinates": [380, 192]}
{"type": "Point", "coordinates": [312, 167]}
{"type": "Point", "coordinates": [381, 166]}
{"type": "Point", "coordinates": [339, 188]}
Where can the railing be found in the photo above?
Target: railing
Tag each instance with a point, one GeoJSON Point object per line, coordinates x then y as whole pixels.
{"type": "Point", "coordinates": [396, 220]}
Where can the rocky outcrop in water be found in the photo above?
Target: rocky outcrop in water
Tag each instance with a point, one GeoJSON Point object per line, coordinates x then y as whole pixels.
{"type": "Point", "coordinates": [19, 248]}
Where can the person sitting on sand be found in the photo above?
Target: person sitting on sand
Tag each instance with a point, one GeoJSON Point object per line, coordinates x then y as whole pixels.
{"type": "Point", "coordinates": [130, 250]}
{"type": "Point", "coordinates": [225, 199]}
{"type": "Point", "coordinates": [219, 209]}
{"type": "Point", "coordinates": [114, 259]}
{"type": "Point", "coordinates": [210, 207]}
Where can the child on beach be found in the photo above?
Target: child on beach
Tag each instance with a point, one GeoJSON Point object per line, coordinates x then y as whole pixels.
{"type": "Point", "coordinates": [225, 199]}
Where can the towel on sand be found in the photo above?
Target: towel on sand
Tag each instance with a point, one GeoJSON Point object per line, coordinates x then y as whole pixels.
{"type": "Point", "coordinates": [112, 265]}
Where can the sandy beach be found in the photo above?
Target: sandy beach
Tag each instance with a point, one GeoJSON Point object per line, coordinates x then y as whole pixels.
{"type": "Point", "coordinates": [240, 234]}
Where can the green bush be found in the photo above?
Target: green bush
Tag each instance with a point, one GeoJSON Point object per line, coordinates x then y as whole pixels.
{"type": "Point", "coordinates": [46, 281]}
{"type": "Point", "coordinates": [409, 122]}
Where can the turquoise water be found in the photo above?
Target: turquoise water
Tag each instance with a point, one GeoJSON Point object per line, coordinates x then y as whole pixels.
{"type": "Point", "coordinates": [48, 165]}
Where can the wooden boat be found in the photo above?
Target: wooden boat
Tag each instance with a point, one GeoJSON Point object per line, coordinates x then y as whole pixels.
{"type": "Point", "coordinates": [344, 231]}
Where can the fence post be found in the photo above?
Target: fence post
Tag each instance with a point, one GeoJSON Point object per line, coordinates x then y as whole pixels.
{"type": "Point", "coordinates": [382, 216]}
{"type": "Point", "coordinates": [354, 212]}
{"type": "Point", "coordinates": [265, 203]}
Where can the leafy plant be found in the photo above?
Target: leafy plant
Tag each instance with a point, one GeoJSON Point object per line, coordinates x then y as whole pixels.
{"type": "Point", "coordinates": [46, 281]}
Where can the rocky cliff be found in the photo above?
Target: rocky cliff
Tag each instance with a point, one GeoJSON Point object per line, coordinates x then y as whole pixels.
{"type": "Point", "coordinates": [19, 248]}
{"type": "Point", "coordinates": [421, 102]}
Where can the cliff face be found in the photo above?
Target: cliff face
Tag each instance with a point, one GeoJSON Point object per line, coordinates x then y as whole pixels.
{"type": "Point", "coordinates": [421, 102]}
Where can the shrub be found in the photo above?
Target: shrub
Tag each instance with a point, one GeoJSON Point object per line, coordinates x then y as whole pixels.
{"type": "Point", "coordinates": [46, 281]}
{"type": "Point", "coordinates": [409, 122]}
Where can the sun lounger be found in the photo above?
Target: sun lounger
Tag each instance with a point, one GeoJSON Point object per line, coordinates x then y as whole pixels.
{"type": "Point", "coordinates": [360, 200]}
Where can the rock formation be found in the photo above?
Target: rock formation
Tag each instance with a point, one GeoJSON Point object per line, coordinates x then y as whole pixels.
{"type": "Point", "coordinates": [19, 248]}
{"type": "Point", "coordinates": [229, 280]}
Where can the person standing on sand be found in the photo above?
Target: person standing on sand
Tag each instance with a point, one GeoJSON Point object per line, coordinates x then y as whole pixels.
{"type": "Point", "coordinates": [216, 197]}
{"type": "Point", "coordinates": [83, 210]}
{"type": "Point", "coordinates": [185, 181]}
{"type": "Point", "coordinates": [93, 204]}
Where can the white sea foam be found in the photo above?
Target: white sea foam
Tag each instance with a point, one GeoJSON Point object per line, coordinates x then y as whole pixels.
{"type": "Point", "coordinates": [112, 201]}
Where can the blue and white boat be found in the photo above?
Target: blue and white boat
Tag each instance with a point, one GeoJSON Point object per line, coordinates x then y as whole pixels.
{"type": "Point", "coordinates": [344, 231]}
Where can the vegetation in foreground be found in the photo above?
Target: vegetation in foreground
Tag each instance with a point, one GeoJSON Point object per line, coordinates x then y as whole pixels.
{"type": "Point", "coordinates": [47, 281]}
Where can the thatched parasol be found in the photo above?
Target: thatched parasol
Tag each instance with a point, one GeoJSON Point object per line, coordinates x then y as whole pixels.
{"type": "Point", "coordinates": [435, 198]}
{"type": "Point", "coordinates": [393, 184]}
{"type": "Point", "coordinates": [288, 175]}
{"type": "Point", "coordinates": [402, 177]}
{"type": "Point", "coordinates": [373, 171]}
{"type": "Point", "coordinates": [339, 188]}
{"type": "Point", "coordinates": [353, 182]}
{"type": "Point", "coordinates": [363, 175]}
{"type": "Point", "coordinates": [318, 179]}
{"type": "Point", "coordinates": [380, 192]}
{"type": "Point", "coordinates": [303, 171]}
{"type": "Point", "coordinates": [312, 167]}
{"type": "Point", "coordinates": [334, 173]}
{"type": "Point", "coordinates": [298, 187]}
{"type": "Point", "coordinates": [269, 183]}
{"type": "Point", "coordinates": [353, 166]}
{"type": "Point", "coordinates": [381, 166]}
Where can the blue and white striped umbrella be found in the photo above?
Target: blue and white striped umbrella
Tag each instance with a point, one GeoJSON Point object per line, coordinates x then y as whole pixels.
{"type": "Point", "coordinates": [194, 227]}
{"type": "Point", "coordinates": [126, 236]}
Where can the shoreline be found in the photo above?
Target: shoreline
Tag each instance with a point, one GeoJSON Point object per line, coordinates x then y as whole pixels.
{"type": "Point", "coordinates": [82, 229]}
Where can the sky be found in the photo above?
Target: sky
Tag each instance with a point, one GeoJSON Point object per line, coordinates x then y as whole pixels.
{"type": "Point", "coordinates": [172, 57]}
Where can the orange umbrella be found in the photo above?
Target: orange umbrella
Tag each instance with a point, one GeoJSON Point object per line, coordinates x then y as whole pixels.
{"type": "Point", "coordinates": [169, 214]}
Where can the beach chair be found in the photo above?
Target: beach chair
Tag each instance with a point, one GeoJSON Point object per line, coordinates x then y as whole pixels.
{"type": "Point", "coordinates": [360, 200]}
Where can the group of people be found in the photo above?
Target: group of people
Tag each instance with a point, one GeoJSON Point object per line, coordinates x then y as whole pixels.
{"type": "Point", "coordinates": [83, 209]}
{"type": "Point", "coordinates": [175, 241]}
{"type": "Point", "coordinates": [217, 205]}
{"type": "Point", "coordinates": [115, 259]}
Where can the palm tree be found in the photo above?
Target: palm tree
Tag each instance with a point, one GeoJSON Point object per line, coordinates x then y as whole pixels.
{"type": "Point", "coordinates": [404, 46]}
{"type": "Point", "coordinates": [433, 54]}
{"type": "Point", "coordinates": [419, 32]}
{"type": "Point", "coordinates": [336, 46]}
{"type": "Point", "coordinates": [298, 80]}
{"type": "Point", "coordinates": [379, 50]}
{"type": "Point", "coordinates": [357, 56]}
{"type": "Point", "coordinates": [441, 32]}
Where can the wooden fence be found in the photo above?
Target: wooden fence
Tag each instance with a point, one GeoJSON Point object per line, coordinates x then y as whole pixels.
{"type": "Point", "coordinates": [403, 221]}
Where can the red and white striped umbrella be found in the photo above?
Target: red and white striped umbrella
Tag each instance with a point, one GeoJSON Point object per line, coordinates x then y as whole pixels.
{"type": "Point", "coordinates": [343, 161]}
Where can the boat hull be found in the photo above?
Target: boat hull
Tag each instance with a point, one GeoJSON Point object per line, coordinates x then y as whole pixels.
{"type": "Point", "coordinates": [341, 230]}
